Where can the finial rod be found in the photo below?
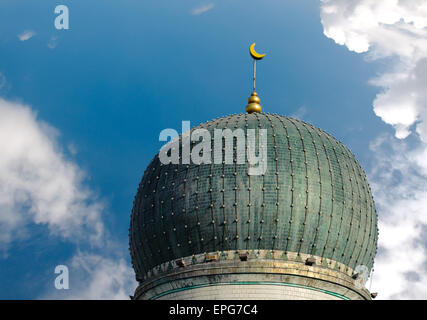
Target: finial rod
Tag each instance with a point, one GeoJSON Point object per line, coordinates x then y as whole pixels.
{"type": "Point", "coordinates": [254, 73]}
{"type": "Point", "coordinates": [253, 101]}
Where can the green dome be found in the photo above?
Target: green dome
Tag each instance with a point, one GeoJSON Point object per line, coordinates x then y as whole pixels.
{"type": "Point", "coordinates": [313, 199]}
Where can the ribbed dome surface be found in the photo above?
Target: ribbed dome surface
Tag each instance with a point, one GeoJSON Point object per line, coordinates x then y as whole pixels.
{"type": "Point", "coordinates": [313, 199]}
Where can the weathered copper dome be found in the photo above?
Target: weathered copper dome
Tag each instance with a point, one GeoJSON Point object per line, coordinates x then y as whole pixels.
{"type": "Point", "coordinates": [313, 199]}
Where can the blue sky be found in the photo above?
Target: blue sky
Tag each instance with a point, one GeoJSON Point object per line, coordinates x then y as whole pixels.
{"type": "Point", "coordinates": [126, 70]}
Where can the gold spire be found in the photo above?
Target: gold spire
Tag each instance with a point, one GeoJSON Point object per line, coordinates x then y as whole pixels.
{"type": "Point", "coordinates": [253, 101]}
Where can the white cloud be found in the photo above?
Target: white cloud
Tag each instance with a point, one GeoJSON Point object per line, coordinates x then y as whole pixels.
{"type": "Point", "coordinates": [26, 35]}
{"type": "Point", "coordinates": [96, 277]}
{"type": "Point", "coordinates": [396, 30]}
{"type": "Point", "coordinates": [38, 184]}
{"type": "Point", "coordinates": [202, 9]}
{"type": "Point", "coordinates": [387, 28]}
{"type": "Point", "coordinates": [399, 182]}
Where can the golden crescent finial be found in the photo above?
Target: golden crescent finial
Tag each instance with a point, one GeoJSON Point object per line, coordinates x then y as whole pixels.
{"type": "Point", "coordinates": [255, 54]}
{"type": "Point", "coordinates": [253, 101]}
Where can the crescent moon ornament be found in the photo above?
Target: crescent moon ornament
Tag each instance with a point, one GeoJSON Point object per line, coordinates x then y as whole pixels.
{"type": "Point", "coordinates": [255, 54]}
